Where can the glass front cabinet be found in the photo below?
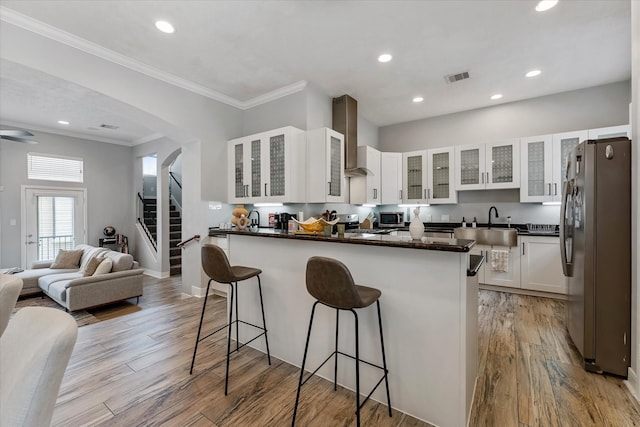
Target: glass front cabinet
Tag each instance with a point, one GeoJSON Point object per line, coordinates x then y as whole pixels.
{"type": "Point", "coordinates": [266, 166]}
{"type": "Point", "coordinates": [325, 179]}
{"type": "Point", "coordinates": [440, 179]}
{"type": "Point", "coordinates": [414, 177]}
{"type": "Point", "coordinates": [488, 166]}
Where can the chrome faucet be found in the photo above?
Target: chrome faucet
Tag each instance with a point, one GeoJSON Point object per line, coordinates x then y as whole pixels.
{"type": "Point", "coordinates": [490, 209]}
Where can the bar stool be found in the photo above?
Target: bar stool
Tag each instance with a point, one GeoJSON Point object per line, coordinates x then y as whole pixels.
{"type": "Point", "coordinates": [330, 283]}
{"type": "Point", "coordinates": [216, 265]}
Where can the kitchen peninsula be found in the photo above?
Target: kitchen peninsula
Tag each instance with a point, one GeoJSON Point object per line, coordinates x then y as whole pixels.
{"type": "Point", "coordinates": [429, 314]}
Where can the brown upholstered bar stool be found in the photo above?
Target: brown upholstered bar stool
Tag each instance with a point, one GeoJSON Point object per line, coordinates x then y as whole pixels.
{"type": "Point", "coordinates": [216, 265]}
{"type": "Point", "coordinates": [329, 281]}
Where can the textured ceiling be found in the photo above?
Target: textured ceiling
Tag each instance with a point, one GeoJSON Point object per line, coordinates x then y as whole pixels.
{"type": "Point", "coordinates": [245, 49]}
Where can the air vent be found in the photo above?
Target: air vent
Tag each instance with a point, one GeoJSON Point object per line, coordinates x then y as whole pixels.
{"type": "Point", "coordinates": [109, 126]}
{"type": "Point", "coordinates": [452, 78]}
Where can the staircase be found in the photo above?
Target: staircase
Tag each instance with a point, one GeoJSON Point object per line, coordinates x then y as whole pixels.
{"type": "Point", "coordinates": [175, 232]}
{"type": "Point", "coordinates": [175, 236]}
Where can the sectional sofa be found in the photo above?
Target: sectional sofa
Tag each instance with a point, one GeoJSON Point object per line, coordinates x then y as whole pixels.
{"type": "Point", "coordinates": [74, 290]}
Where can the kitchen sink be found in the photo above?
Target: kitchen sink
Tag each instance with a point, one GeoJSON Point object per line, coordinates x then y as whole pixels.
{"type": "Point", "coordinates": [488, 236]}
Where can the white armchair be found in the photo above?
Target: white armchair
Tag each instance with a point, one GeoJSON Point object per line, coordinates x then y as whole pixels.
{"type": "Point", "coordinates": [34, 353]}
{"type": "Point", "coordinates": [10, 287]}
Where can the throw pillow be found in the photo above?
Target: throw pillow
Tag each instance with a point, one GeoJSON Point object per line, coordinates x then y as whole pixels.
{"type": "Point", "coordinates": [92, 265]}
{"type": "Point", "coordinates": [67, 259]}
{"type": "Point", "coordinates": [104, 267]}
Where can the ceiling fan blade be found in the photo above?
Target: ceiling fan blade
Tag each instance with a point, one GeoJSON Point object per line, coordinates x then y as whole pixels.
{"type": "Point", "coordinates": [15, 132]}
{"type": "Point", "coordinates": [16, 139]}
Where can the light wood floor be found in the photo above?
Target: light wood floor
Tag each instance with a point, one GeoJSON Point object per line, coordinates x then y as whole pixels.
{"type": "Point", "coordinates": [132, 369]}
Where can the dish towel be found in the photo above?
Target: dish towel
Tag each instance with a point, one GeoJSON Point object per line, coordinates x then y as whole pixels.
{"type": "Point", "coordinates": [499, 260]}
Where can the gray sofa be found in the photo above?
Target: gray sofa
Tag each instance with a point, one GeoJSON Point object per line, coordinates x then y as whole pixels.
{"type": "Point", "coordinates": [74, 291]}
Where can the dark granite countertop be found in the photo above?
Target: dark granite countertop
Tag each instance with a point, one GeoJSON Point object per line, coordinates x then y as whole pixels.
{"type": "Point", "coordinates": [428, 243]}
{"type": "Point", "coordinates": [447, 227]}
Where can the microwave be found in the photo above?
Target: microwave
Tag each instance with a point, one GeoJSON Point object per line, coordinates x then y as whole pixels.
{"type": "Point", "coordinates": [391, 219]}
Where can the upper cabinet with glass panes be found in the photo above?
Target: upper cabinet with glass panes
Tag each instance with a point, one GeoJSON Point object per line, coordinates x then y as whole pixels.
{"type": "Point", "coordinates": [266, 167]}
{"type": "Point", "coordinates": [440, 176]}
{"type": "Point", "coordinates": [488, 166]}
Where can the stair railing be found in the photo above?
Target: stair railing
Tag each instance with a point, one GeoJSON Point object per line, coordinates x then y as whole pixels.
{"type": "Point", "coordinates": [175, 190]}
{"type": "Point", "coordinates": [196, 237]}
{"type": "Point", "coordinates": [144, 222]}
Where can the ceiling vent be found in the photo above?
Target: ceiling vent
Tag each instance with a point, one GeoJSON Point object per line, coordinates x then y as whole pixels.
{"type": "Point", "coordinates": [452, 78]}
{"type": "Point", "coordinates": [112, 127]}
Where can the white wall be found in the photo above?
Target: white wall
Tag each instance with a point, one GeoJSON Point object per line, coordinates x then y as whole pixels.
{"type": "Point", "coordinates": [107, 178]}
{"type": "Point", "coordinates": [579, 109]}
{"type": "Point", "coordinates": [634, 371]}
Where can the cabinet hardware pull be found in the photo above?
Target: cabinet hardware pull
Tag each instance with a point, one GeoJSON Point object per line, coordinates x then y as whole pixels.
{"type": "Point", "coordinates": [265, 188]}
{"type": "Point", "coordinates": [429, 194]}
{"type": "Point", "coordinates": [425, 193]}
{"type": "Point", "coordinates": [549, 188]}
{"type": "Point", "coordinates": [488, 180]}
{"type": "Point", "coordinates": [483, 177]}
{"type": "Point", "coordinates": [523, 248]}
{"type": "Point", "coordinates": [375, 193]}
{"type": "Point", "coordinates": [329, 188]}
{"type": "Point", "coordinates": [400, 194]}
{"type": "Point", "coordinates": [555, 188]}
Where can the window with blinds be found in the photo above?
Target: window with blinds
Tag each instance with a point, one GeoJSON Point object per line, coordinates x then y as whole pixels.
{"type": "Point", "coordinates": [54, 168]}
{"type": "Point", "coordinates": [55, 225]}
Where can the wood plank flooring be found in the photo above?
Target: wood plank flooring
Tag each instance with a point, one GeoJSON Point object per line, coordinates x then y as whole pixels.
{"type": "Point", "coordinates": [132, 369]}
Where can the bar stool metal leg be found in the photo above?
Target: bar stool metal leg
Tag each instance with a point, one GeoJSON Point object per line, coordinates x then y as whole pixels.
{"type": "Point", "coordinates": [384, 359]}
{"type": "Point", "coordinates": [204, 305]}
{"type": "Point", "coordinates": [226, 378]}
{"type": "Point", "coordinates": [357, 369]}
{"type": "Point", "coordinates": [264, 322]}
{"type": "Point", "coordinates": [304, 360]}
{"type": "Point", "coordinates": [335, 368]}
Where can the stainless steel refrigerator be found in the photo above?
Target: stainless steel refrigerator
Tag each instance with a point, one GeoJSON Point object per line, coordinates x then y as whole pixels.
{"type": "Point", "coordinates": [595, 245]}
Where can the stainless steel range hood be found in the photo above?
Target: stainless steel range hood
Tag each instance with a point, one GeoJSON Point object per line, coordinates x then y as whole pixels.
{"type": "Point", "coordinates": [345, 121]}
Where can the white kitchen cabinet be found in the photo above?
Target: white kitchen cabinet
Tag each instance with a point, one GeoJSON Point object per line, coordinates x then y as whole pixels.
{"type": "Point", "coordinates": [266, 167]}
{"type": "Point", "coordinates": [541, 266]}
{"type": "Point", "coordinates": [325, 167]}
{"type": "Point", "coordinates": [563, 143]}
{"type": "Point", "coordinates": [610, 132]}
{"type": "Point", "coordinates": [391, 172]}
{"type": "Point", "coordinates": [440, 176]}
{"type": "Point", "coordinates": [493, 165]}
{"type": "Point", "coordinates": [486, 275]}
{"type": "Point", "coordinates": [537, 182]}
{"type": "Point", "coordinates": [414, 177]}
{"type": "Point", "coordinates": [366, 189]}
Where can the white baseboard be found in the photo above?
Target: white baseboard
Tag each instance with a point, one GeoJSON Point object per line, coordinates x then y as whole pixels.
{"type": "Point", "coordinates": [632, 384]}
{"type": "Point", "coordinates": [157, 274]}
{"type": "Point", "coordinates": [519, 291]}
{"type": "Point", "coordinates": [198, 292]}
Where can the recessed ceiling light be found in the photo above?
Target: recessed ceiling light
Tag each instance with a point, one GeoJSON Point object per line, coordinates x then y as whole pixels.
{"type": "Point", "coordinates": [63, 122]}
{"type": "Point", "coordinates": [165, 27]}
{"type": "Point", "coordinates": [496, 96]}
{"type": "Point", "coordinates": [418, 99]}
{"type": "Point", "coordinates": [533, 73]}
{"type": "Point", "coordinates": [385, 57]}
{"type": "Point", "coordinates": [545, 5]}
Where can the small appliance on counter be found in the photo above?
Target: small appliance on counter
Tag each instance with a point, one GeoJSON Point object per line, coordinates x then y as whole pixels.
{"type": "Point", "coordinates": [391, 219]}
{"type": "Point", "coordinates": [281, 220]}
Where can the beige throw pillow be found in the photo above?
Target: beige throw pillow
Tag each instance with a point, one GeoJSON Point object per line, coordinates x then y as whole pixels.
{"type": "Point", "coordinates": [92, 265]}
{"type": "Point", "coordinates": [104, 267]}
{"type": "Point", "coordinates": [67, 259]}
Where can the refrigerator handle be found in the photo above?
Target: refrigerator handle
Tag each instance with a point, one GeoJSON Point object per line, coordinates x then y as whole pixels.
{"type": "Point", "coordinates": [563, 229]}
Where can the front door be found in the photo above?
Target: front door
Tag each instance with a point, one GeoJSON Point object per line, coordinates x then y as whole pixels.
{"type": "Point", "coordinates": [54, 218]}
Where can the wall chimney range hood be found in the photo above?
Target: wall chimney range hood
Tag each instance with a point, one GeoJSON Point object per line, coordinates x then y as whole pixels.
{"type": "Point", "coordinates": [345, 121]}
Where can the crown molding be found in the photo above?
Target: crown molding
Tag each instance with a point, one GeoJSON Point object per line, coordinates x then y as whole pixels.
{"type": "Point", "coordinates": [23, 21]}
{"type": "Point", "coordinates": [69, 133]}
{"type": "Point", "coordinates": [275, 94]}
